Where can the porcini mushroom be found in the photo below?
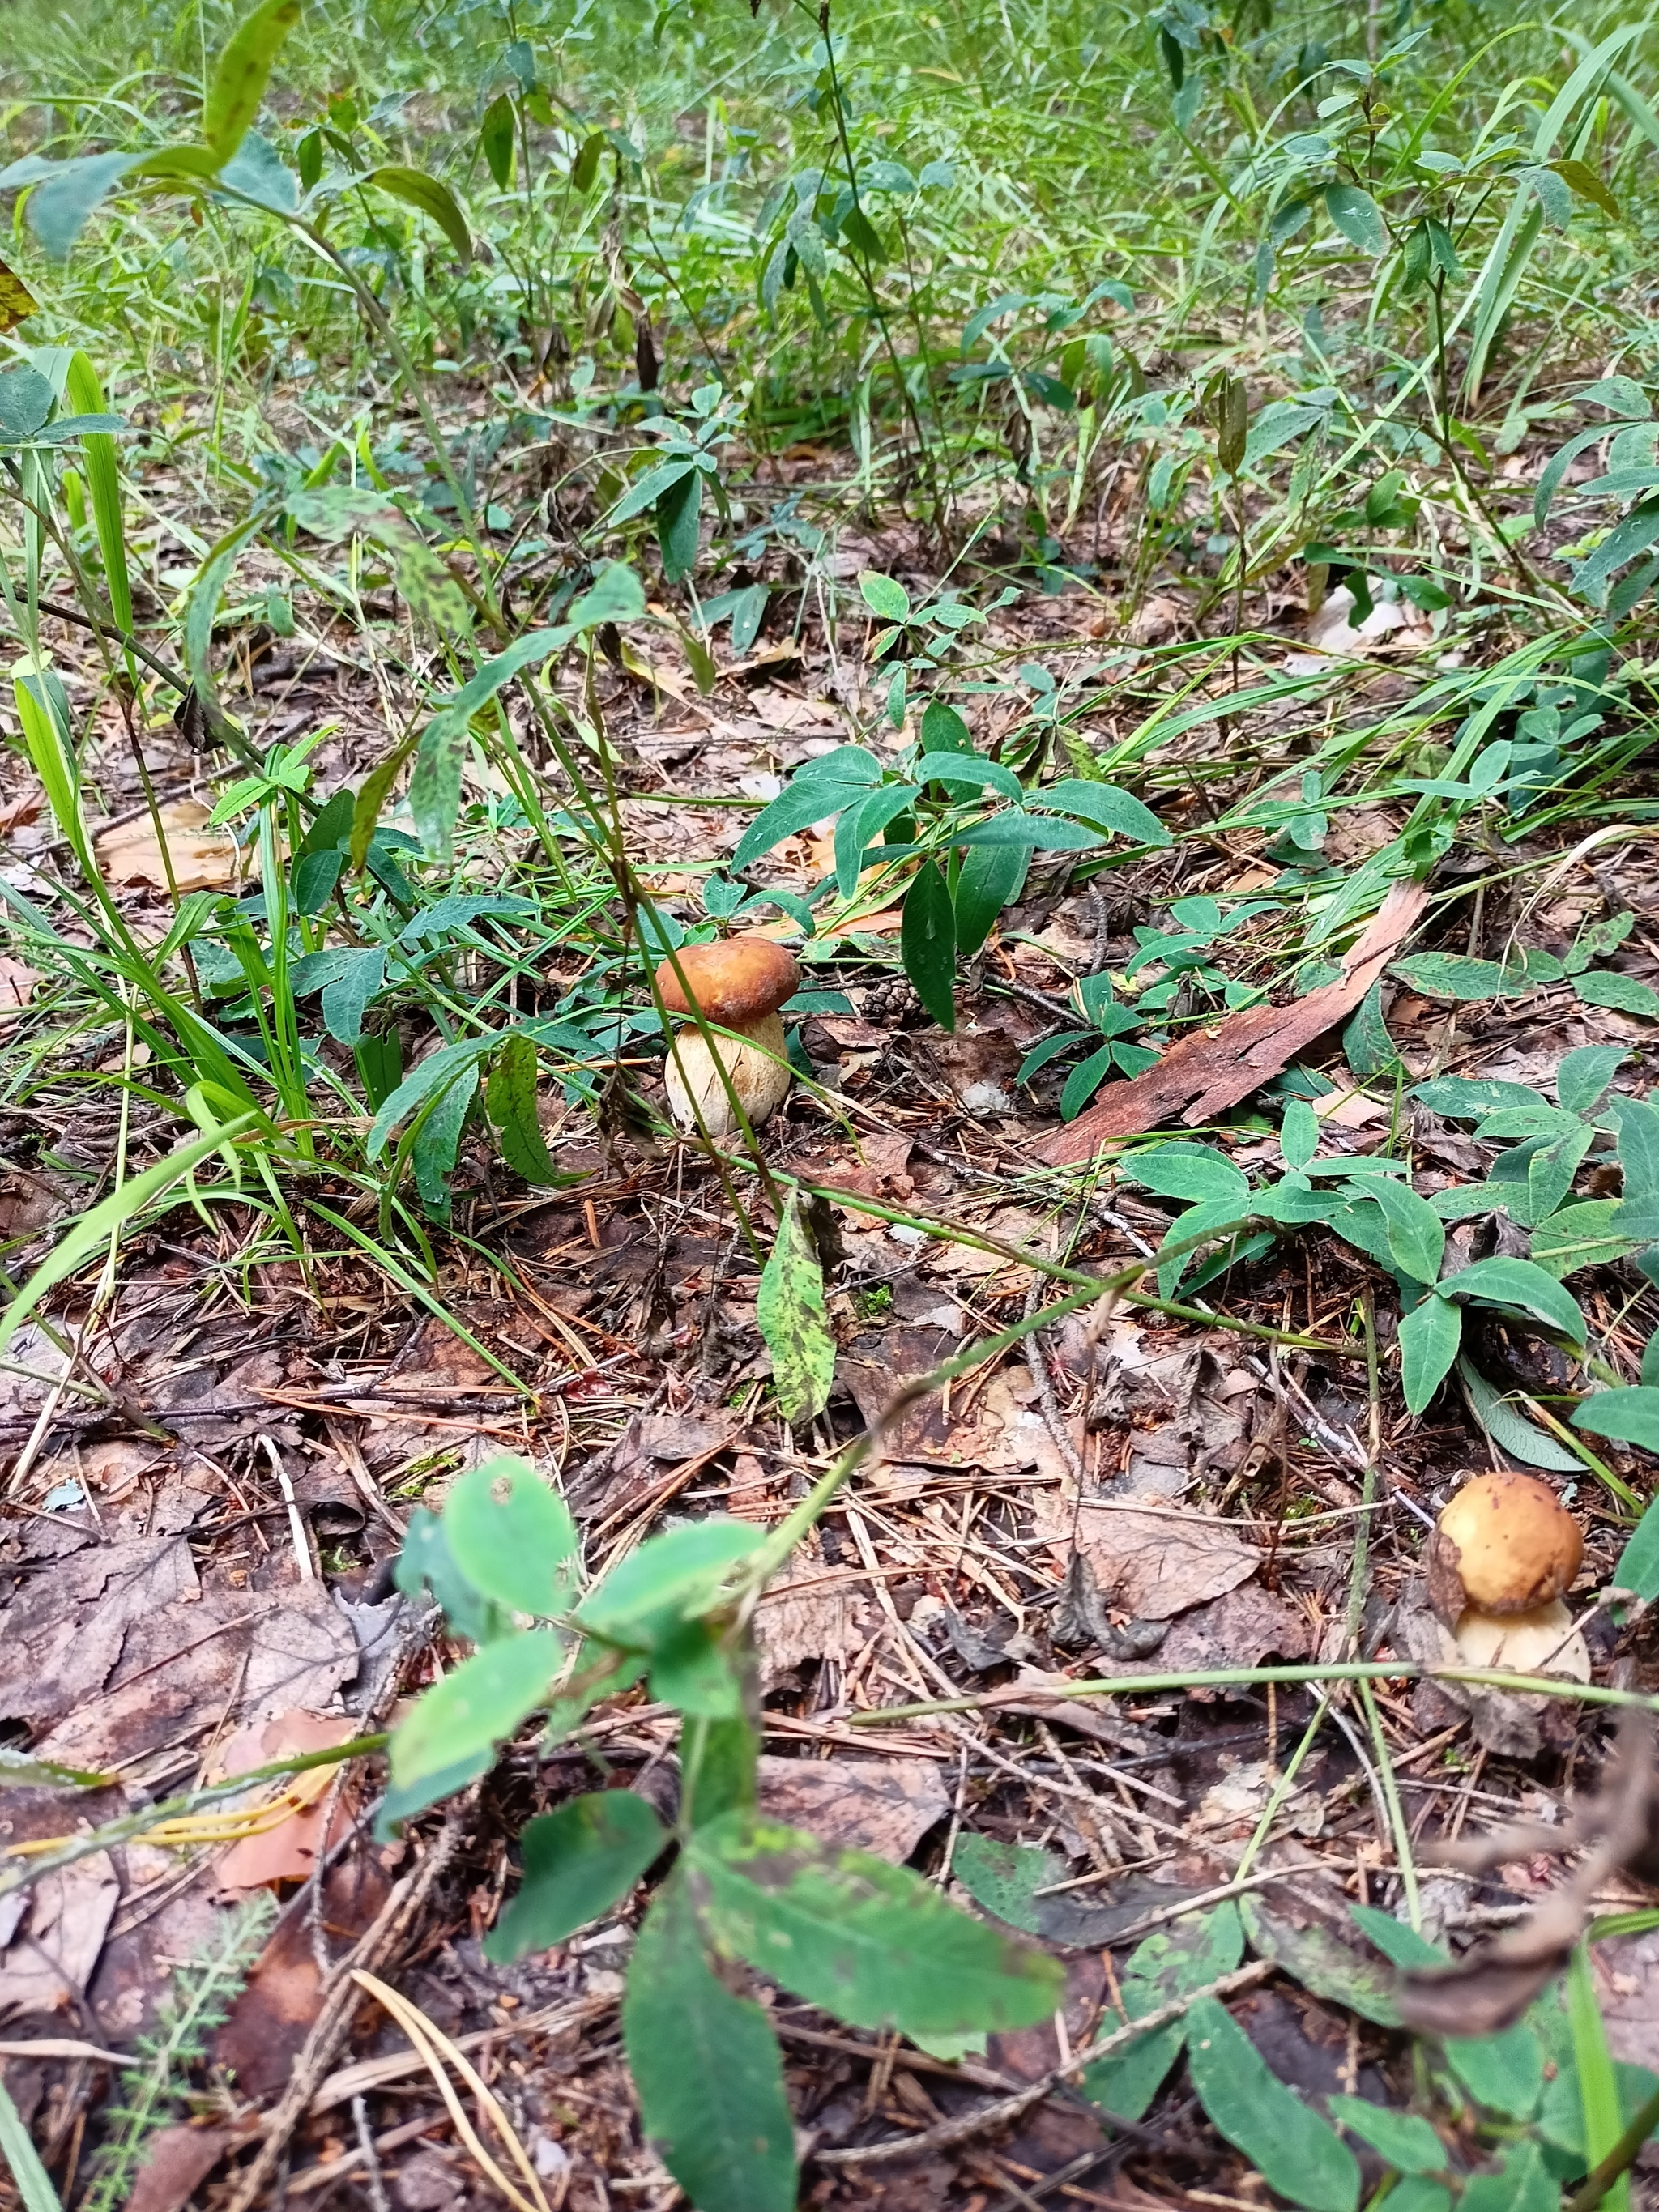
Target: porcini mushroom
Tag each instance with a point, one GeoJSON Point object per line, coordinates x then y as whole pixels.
{"type": "Point", "coordinates": [738, 984]}
{"type": "Point", "coordinates": [1503, 1553]}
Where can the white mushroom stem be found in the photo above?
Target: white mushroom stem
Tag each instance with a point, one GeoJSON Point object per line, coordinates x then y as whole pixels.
{"type": "Point", "coordinates": [1544, 1641]}
{"type": "Point", "coordinates": [755, 1060]}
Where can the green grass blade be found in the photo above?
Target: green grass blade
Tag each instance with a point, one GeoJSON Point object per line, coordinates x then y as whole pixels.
{"type": "Point", "coordinates": [34, 2182]}
{"type": "Point", "coordinates": [108, 1220]}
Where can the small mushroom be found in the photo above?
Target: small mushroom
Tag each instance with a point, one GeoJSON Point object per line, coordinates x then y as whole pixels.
{"type": "Point", "coordinates": [1505, 1543]}
{"type": "Point", "coordinates": [1504, 1552]}
{"type": "Point", "coordinates": [738, 984]}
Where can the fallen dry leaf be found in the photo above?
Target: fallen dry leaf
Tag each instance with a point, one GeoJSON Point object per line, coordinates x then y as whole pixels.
{"type": "Point", "coordinates": [178, 2160]}
{"type": "Point", "coordinates": [202, 859]}
{"type": "Point", "coordinates": [881, 1805]}
{"type": "Point", "coordinates": [60, 1934]}
{"type": "Point", "coordinates": [811, 1610]}
{"type": "Point", "coordinates": [17, 985]}
{"type": "Point", "coordinates": [288, 1851]}
{"type": "Point", "coordinates": [1240, 1628]}
{"type": "Point", "coordinates": [269, 2021]}
{"type": "Point", "coordinates": [997, 1432]}
{"type": "Point", "coordinates": [1150, 1565]}
{"type": "Point", "coordinates": [120, 1647]}
{"type": "Point", "coordinates": [1210, 1069]}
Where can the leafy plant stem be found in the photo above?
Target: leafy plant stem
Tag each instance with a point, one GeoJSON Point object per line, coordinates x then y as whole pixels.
{"type": "Point", "coordinates": [924, 455]}
{"type": "Point", "coordinates": [1338, 1670]}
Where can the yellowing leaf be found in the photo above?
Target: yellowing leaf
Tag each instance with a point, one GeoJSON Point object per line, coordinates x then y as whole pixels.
{"type": "Point", "coordinates": [17, 302]}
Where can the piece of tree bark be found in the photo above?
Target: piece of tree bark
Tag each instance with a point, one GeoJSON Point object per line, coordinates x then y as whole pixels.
{"type": "Point", "coordinates": [1210, 1069]}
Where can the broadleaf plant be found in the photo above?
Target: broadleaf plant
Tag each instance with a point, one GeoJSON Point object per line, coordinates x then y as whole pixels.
{"type": "Point", "coordinates": [871, 1942]}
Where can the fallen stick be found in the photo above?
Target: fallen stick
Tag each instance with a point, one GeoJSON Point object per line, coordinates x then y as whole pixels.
{"type": "Point", "coordinates": [1210, 1069]}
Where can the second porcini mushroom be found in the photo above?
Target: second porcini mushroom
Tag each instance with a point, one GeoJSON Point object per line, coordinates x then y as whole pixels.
{"type": "Point", "coordinates": [738, 984]}
{"type": "Point", "coordinates": [1503, 1554]}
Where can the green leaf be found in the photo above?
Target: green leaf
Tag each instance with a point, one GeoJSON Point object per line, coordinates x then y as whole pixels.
{"type": "Point", "coordinates": [426, 1566]}
{"type": "Point", "coordinates": [883, 596]}
{"type": "Point", "coordinates": [1043, 833]}
{"type": "Point", "coordinates": [434, 595]}
{"type": "Point", "coordinates": [1412, 2193]}
{"type": "Point", "coordinates": [1197, 1173]}
{"type": "Point", "coordinates": [258, 172]}
{"type": "Point", "coordinates": [718, 1760]}
{"type": "Point", "coordinates": [18, 1769]}
{"type": "Point", "coordinates": [1196, 1951]}
{"type": "Point", "coordinates": [418, 190]}
{"type": "Point", "coordinates": [927, 943]}
{"type": "Point", "coordinates": [822, 787]}
{"type": "Point", "coordinates": [1524, 1288]}
{"type": "Point", "coordinates": [578, 1863]}
{"type": "Point", "coordinates": [1639, 1563]}
{"type": "Point", "coordinates": [1322, 1963]}
{"type": "Point", "coordinates": [1359, 218]}
{"type": "Point", "coordinates": [691, 1669]}
{"type": "Point", "coordinates": [1467, 1098]}
{"type": "Point", "coordinates": [1627, 1417]}
{"type": "Point", "coordinates": [585, 162]}
{"type": "Point", "coordinates": [708, 2070]}
{"type": "Point", "coordinates": [1015, 1882]}
{"type": "Point", "coordinates": [1366, 1045]}
{"type": "Point", "coordinates": [1416, 1234]}
{"type": "Point", "coordinates": [1605, 986]}
{"type": "Point", "coordinates": [873, 1944]}
{"type": "Point", "coordinates": [1396, 1939]}
{"type": "Point", "coordinates": [396, 1806]}
{"type": "Point", "coordinates": [1106, 806]}
{"type": "Point", "coordinates": [496, 136]}
{"type": "Point", "coordinates": [436, 1139]}
{"type": "Point", "coordinates": [511, 1534]}
{"type": "Point", "coordinates": [678, 510]}
{"type": "Point", "coordinates": [1521, 2183]}
{"type": "Point", "coordinates": [991, 876]}
{"type": "Point", "coordinates": [1510, 1430]}
{"type": "Point", "coordinates": [242, 73]}
{"type": "Point", "coordinates": [1084, 1079]}
{"type": "Point", "coordinates": [1299, 1133]}
{"type": "Point", "coordinates": [1582, 1079]}
{"type": "Point", "coordinates": [1504, 2073]}
{"type": "Point", "coordinates": [1580, 177]}
{"type": "Point", "coordinates": [1451, 975]}
{"type": "Point", "coordinates": [1552, 1170]}
{"type": "Point", "coordinates": [1292, 2148]}
{"type": "Point", "coordinates": [1429, 1337]}
{"type": "Point", "coordinates": [943, 730]}
{"type": "Point", "coordinates": [790, 1313]}
{"type": "Point", "coordinates": [1638, 1156]}
{"type": "Point", "coordinates": [61, 205]}
{"type": "Point", "coordinates": [435, 789]}
{"type": "Point", "coordinates": [971, 770]}
{"type": "Point", "coordinates": [670, 1578]}
{"type": "Point", "coordinates": [510, 1101]}
{"type": "Point", "coordinates": [476, 1706]}
{"type": "Point", "coordinates": [1405, 2142]}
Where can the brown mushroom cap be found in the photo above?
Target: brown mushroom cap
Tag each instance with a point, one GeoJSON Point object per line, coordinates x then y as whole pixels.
{"type": "Point", "coordinates": [738, 981]}
{"type": "Point", "coordinates": [1512, 1545]}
